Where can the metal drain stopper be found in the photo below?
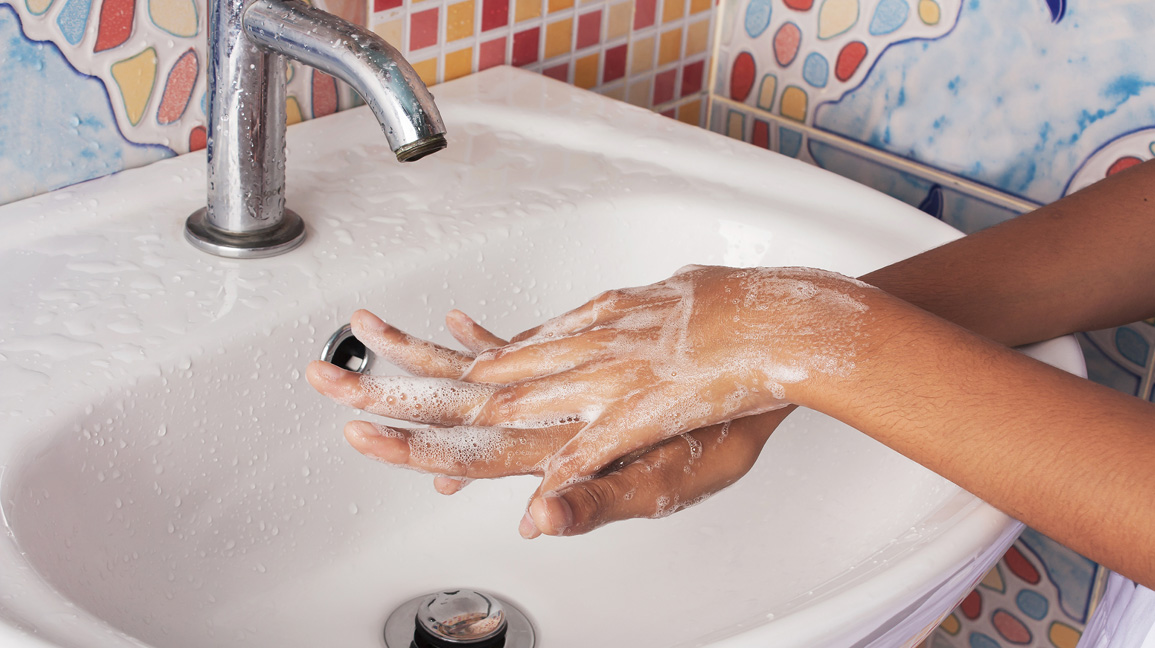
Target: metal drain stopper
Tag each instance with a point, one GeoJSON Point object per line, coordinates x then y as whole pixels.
{"type": "Point", "coordinates": [461, 616]}
{"type": "Point", "coordinates": [458, 618]}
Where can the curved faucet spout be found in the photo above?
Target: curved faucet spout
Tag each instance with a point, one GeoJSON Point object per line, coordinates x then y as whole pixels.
{"type": "Point", "coordinates": [245, 214]}
{"type": "Point", "coordinates": [377, 71]}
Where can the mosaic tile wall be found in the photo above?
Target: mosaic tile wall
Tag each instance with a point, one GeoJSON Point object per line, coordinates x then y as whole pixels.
{"type": "Point", "coordinates": [974, 111]}
{"type": "Point", "coordinates": [90, 87]}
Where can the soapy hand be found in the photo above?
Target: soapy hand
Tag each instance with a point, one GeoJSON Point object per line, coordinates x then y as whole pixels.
{"type": "Point", "coordinates": [629, 370]}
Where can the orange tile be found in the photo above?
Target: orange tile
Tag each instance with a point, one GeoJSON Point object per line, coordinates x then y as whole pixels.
{"type": "Point", "coordinates": [585, 71]}
{"type": "Point", "coordinates": [642, 56]}
{"type": "Point", "coordinates": [427, 70]}
{"type": "Point", "coordinates": [691, 113]}
{"type": "Point", "coordinates": [458, 64]}
{"type": "Point", "coordinates": [698, 6]}
{"type": "Point", "coordinates": [670, 47]}
{"type": "Point", "coordinates": [459, 20]}
{"type": "Point", "coordinates": [391, 31]}
{"type": "Point", "coordinates": [559, 5]}
{"type": "Point", "coordinates": [697, 37]}
{"type": "Point", "coordinates": [526, 10]}
{"type": "Point", "coordinates": [673, 10]}
{"type": "Point", "coordinates": [618, 23]}
{"type": "Point", "coordinates": [558, 38]}
{"type": "Point", "coordinates": [639, 93]}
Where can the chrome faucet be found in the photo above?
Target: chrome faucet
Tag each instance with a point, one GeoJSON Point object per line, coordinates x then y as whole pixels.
{"type": "Point", "coordinates": [248, 40]}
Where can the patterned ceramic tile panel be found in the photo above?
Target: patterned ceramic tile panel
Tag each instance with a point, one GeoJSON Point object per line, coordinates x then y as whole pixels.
{"type": "Point", "coordinates": [974, 111]}
{"type": "Point", "coordinates": [147, 59]}
{"type": "Point", "coordinates": [652, 53]}
{"type": "Point", "coordinates": [89, 87]}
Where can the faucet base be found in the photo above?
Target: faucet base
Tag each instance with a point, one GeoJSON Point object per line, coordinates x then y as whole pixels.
{"type": "Point", "coordinates": [281, 238]}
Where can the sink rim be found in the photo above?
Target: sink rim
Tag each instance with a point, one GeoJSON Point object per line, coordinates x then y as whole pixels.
{"type": "Point", "coordinates": [979, 521]}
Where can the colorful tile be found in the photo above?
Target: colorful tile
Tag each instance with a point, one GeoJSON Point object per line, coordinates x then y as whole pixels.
{"type": "Point", "coordinates": [459, 21]}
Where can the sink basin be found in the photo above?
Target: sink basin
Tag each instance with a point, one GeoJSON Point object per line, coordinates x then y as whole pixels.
{"type": "Point", "coordinates": [170, 480]}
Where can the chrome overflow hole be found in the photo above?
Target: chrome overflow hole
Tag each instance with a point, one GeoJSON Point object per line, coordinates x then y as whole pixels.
{"type": "Point", "coordinates": [458, 618]}
{"type": "Point", "coordinates": [346, 351]}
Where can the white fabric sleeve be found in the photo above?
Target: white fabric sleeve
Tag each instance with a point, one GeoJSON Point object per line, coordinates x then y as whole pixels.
{"type": "Point", "coordinates": [1125, 617]}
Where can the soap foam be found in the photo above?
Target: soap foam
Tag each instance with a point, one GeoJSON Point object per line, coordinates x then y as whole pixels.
{"type": "Point", "coordinates": [429, 400]}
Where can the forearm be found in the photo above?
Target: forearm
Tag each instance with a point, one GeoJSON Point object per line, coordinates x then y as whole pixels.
{"type": "Point", "coordinates": [1081, 263]}
{"type": "Point", "coordinates": [1068, 457]}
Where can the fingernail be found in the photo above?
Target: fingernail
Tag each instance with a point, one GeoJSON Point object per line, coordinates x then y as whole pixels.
{"type": "Point", "coordinates": [366, 320]}
{"type": "Point", "coordinates": [329, 372]}
{"type": "Point", "coordinates": [527, 528]}
{"type": "Point", "coordinates": [364, 429]}
{"type": "Point", "coordinates": [556, 511]}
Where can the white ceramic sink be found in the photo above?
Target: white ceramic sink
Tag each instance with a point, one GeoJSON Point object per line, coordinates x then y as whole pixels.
{"type": "Point", "coordinates": [170, 479]}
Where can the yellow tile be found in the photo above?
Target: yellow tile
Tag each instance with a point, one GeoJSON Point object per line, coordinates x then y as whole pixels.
{"type": "Point", "coordinates": [691, 113]}
{"type": "Point", "coordinates": [391, 31]}
{"type": "Point", "coordinates": [642, 53]}
{"type": "Point", "coordinates": [458, 64]}
{"type": "Point", "coordinates": [459, 20]}
{"type": "Point", "coordinates": [766, 91]}
{"type": "Point", "coordinates": [559, 5]}
{"type": "Point", "coordinates": [618, 24]}
{"type": "Point", "coordinates": [526, 10]}
{"type": "Point", "coordinates": [639, 93]}
{"type": "Point", "coordinates": [135, 76]}
{"type": "Point", "coordinates": [698, 6]}
{"type": "Point", "coordinates": [670, 47]}
{"type": "Point", "coordinates": [427, 70]}
{"type": "Point", "coordinates": [673, 10]}
{"type": "Point", "coordinates": [616, 92]}
{"type": "Point", "coordinates": [697, 37]}
{"type": "Point", "coordinates": [792, 105]}
{"type": "Point", "coordinates": [585, 72]}
{"type": "Point", "coordinates": [558, 37]}
{"type": "Point", "coordinates": [292, 111]}
{"type": "Point", "coordinates": [736, 125]}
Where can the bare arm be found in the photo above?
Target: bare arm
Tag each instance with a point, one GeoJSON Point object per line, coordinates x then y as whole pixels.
{"type": "Point", "coordinates": [1082, 263]}
{"type": "Point", "coordinates": [1064, 455]}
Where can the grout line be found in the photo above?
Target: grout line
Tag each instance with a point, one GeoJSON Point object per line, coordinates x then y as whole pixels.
{"type": "Point", "coordinates": [1013, 203]}
{"type": "Point", "coordinates": [1146, 384]}
{"type": "Point", "coordinates": [718, 11]}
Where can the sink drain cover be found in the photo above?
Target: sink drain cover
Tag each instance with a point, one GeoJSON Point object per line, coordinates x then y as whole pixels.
{"type": "Point", "coordinates": [458, 618]}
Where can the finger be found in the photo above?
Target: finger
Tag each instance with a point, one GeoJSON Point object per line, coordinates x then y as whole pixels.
{"type": "Point", "coordinates": [532, 359]}
{"type": "Point", "coordinates": [414, 355]}
{"type": "Point", "coordinates": [665, 479]}
{"type": "Point", "coordinates": [470, 334]}
{"type": "Point", "coordinates": [467, 451]}
{"type": "Point", "coordinates": [593, 311]}
{"type": "Point", "coordinates": [437, 401]}
{"type": "Point", "coordinates": [627, 426]}
{"type": "Point", "coordinates": [449, 485]}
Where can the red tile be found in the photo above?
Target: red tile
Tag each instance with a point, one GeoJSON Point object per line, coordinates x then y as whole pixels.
{"type": "Point", "coordinates": [664, 83]}
{"type": "Point", "coordinates": [423, 29]}
{"type": "Point", "coordinates": [615, 65]}
{"type": "Point", "coordinates": [761, 136]}
{"type": "Point", "coordinates": [644, 13]}
{"type": "Point", "coordinates": [324, 94]}
{"type": "Point", "coordinates": [668, 113]}
{"type": "Point", "coordinates": [197, 139]}
{"type": "Point", "coordinates": [494, 14]}
{"type": "Point", "coordinates": [115, 26]}
{"type": "Point", "coordinates": [385, 5]}
{"type": "Point", "coordinates": [692, 77]}
{"type": "Point", "coordinates": [178, 88]}
{"type": "Point", "coordinates": [491, 53]}
{"type": "Point", "coordinates": [589, 31]}
{"type": "Point", "coordinates": [525, 47]}
{"type": "Point", "coordinates": [559, 72]}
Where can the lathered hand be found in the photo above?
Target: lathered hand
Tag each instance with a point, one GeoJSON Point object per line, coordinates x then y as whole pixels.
{"type": "Point", "coordinates": [653, 483]}
{"type": "Point", "coordinates": [627, 371]}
